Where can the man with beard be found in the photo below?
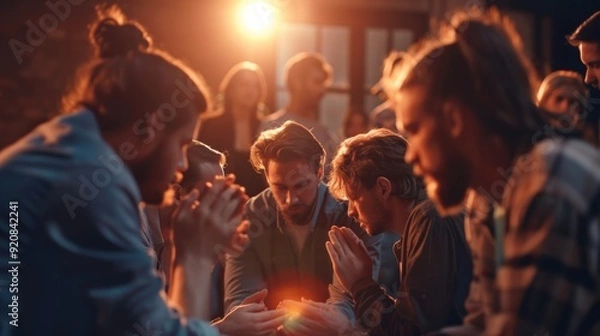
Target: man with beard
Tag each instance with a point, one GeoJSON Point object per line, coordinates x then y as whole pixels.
{"type": "Point", "coordinates": [289, 223]}
{"type": "Point", "coordinates": [467, 105]}
{"type": "Point", "coordinates": [72, 187]}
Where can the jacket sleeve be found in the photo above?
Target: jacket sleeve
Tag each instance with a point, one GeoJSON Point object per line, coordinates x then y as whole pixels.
{"type": "Point", "coordinates": [424, 301]}
{"type": "Point", "coordinates": [337, 295]}
{"type": "Point", "coordinates": [103, 241]}
{"type": "Point", "coordinates": [243, 273]}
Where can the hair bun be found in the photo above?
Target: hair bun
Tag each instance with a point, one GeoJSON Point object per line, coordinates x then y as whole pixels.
{"type": "Point", "coordinates": [113, 39]}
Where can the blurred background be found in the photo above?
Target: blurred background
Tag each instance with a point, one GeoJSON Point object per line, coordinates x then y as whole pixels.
{"type": "Point", "coordinates": [43, 42]}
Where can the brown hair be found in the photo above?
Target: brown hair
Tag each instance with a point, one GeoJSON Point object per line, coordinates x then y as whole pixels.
{"type": "Point", "coordinates": [286, 143]}
{"type": "Point", "coordinates": [478, 60]}
{"type": "Point", "coordinates": [352, 111]}
{"type": "Point", "coordinates": [231, 80]}
{"type": "Point", "coordinates": [129, 78]}
{"type": "Point", "coordinates": [363, 158]}
{"type": "Point", "coordinates": [588, 31]}
{"type": "Point", "coordinates": [298, 67]}
{"type": "Point", "coordinates": [198, 153]}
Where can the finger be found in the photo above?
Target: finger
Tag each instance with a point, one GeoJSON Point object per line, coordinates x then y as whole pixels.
{"type": "Point", "coordinates": [250, 307]}
{"type": "Point", "coordinates": [240, 242]}
{"type": "Point", "coordinates": [338, 243]}
{"type": "Point", "coordinates": [229, 208]}
{"type": "Point", "coordinates": [256, 297]}
{"type": "Point", "coordinates": [211, 192]}
{"type": "Point", "coordinates": [229, 229]}
{"type": "Point", "coordinates": [291, 305]}
{"type": "Point", "coordinates": [349, 235]}
{"type": "Point", "coordinates": [310, 312]}
{"type": "Point", "coordinates": [224, 199]}
{"type": "Point", "coordinates": [351, 240]}
{"type": "Point", "coordinates": [333, 255]}
{"type": "Point", "coordinates": [230, 178]}
{"type": "Point", "coordinates": [269, 326]}
{"type": "Point", "coordinates": [319, 305]}
{"type": "Point", "coordinates": [363, 250]}
{"type": "Point", "coordinates": [282, 331]}
{"type": "Point", "coordinates": [244, 227]}
{"type": "Point", "coordinates": [269, 315]}
{"type": "Point", "coordinates": [185, 205]}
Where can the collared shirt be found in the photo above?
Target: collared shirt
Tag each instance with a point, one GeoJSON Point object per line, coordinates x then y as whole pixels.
{"type": "Point", "coordinates": [271, 261]}
{"type": "Point", "coordinates": [549, 278]}
{"type": "Point", "coordinates": [84, 269]}
{"type": "Point", "coordinates": [435, 272]}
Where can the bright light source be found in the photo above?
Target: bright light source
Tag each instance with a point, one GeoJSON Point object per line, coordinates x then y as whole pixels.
{"type": "Point", "coordinates": [257, 18]}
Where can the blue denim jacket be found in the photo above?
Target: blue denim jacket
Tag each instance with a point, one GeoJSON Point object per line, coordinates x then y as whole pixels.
{"type": "Point", "coordinates": [83, 267]}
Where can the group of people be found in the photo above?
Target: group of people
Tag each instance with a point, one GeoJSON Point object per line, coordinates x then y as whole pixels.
{"type": "Point", "coordinates": [481, 218]}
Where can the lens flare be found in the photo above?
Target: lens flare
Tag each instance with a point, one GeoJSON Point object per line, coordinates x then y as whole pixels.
{"type": "Point", "coordinates": [257, 18]}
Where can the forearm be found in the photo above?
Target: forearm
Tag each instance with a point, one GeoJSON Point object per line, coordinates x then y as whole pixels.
{"type": "Point", "coordinates": [190, 285]}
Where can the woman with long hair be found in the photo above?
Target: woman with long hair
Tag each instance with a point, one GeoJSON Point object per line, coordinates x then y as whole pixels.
{"type": "Point", "coordinates": [233, 130]}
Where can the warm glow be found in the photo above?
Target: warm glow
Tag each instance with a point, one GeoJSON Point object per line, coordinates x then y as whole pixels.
{"type": "Point", "coordinates": [257, 18]}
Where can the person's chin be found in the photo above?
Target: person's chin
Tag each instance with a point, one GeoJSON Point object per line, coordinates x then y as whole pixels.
{"type": "Point", "coordinates": [447, 202]}
{"type": "Point", "coordinates": [297, 217]}
{"type": "Point", "coordinates": [368, 228]}
{"type": "Point", "coordinates": [153, 197]}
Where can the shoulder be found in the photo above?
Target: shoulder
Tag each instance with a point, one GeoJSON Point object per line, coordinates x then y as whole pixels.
{"type": "Point", "coordinates": [425, 217]}
{"type": "Point", "coordinates": [273, 120]}
{"type": "Point", "coordinates": [262, 209]}
{"type": "Point", "coordinates": [65, 150]}
{"type": "Point", "coordinates": [566, 170]}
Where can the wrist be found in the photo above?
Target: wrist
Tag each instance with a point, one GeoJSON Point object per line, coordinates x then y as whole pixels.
{"type": "Point", "coordinates": [221, 325]}
{"type": "Point", "coordinates": [189, 259]}
{"type": "Point", "coordinates": [361, 284]}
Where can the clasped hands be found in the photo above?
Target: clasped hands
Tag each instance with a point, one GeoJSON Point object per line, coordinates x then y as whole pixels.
{"type": "Point", "coordinates": [210, 221]}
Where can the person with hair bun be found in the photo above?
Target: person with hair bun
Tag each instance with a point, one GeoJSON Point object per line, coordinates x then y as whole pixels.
{"type": "Point", "coordinates": [73, 185]}
{"type": "Point", "coordinates": [467, 102]}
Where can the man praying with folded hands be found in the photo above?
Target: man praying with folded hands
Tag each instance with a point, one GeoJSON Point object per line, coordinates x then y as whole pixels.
{"type": "Point", "coordinates": [434, 261]}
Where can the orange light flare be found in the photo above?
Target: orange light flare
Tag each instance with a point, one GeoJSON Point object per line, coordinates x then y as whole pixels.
{"type": "Point", "coordinates": [257, 18]}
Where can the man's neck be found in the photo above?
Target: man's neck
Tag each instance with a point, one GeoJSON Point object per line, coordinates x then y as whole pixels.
{"type": "Point", "coordinates": [400, 211]}
{"type": "Point", "coordinates": [303, 110]}
{"type": "Point", "coordinates": [492, 171]}
{"type": "Point", "coordinates": [240, 113]}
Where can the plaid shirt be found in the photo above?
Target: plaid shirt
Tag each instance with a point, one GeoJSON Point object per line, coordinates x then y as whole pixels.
{"type": "Point", "coordinates": [547, 281]}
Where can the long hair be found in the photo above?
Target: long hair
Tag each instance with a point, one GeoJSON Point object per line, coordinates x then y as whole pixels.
{"type": "Point", "coordinates": [231, 80]}
{"type": "Point", "coordinates": [129, 78]}
{"type": "Point", "coordinates": [478, 59]}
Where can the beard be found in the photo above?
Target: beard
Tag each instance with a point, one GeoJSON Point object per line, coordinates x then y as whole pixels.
{"type": "Point", "coordinates": [448, 190]}
{"type": "Point", "coordinates": [297, 214]}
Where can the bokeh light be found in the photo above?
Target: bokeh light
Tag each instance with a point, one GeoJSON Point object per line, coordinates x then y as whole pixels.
{"type": "Point", "coordinates": [257, 18]}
